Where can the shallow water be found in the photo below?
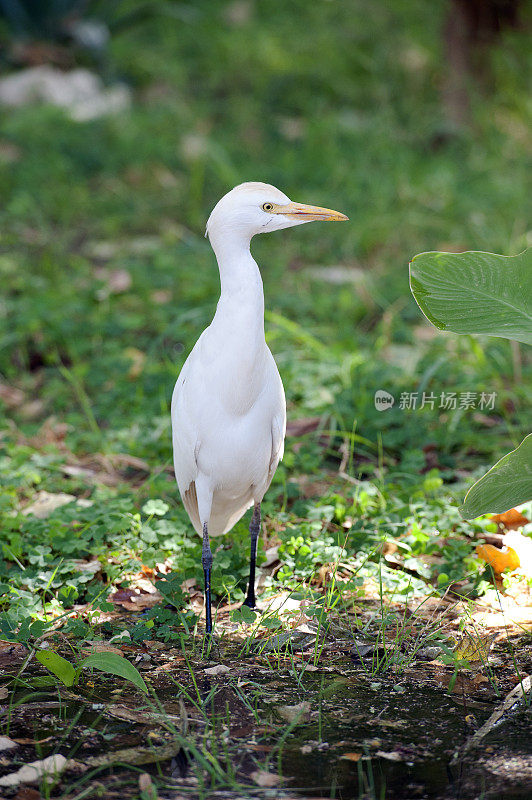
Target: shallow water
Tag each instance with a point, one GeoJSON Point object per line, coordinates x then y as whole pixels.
{"type": "Point", "coordinates": [360, 737]}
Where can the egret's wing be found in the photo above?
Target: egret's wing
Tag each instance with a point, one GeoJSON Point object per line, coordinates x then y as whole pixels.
{"type": "Point", "coordinates": [278, 434]}
{"type": "Point", "coordinates": [190, 399]}
{"type": "Point", "coordinates": [190, 501]}
{"type": "Point", "coordinates": [278, 421]}
{"type": "Point", "coordinates": [184, 432]}
{"type": "Point", "coordinates": [185, 446]}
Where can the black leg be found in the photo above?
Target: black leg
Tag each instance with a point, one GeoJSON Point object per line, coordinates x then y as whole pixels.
{"type": "Point", "coordinates": [254, 528]}
{"type": "Point", "coordinates": [206, 560]}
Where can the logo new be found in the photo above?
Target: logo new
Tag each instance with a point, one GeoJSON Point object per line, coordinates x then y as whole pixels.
{"type": "Point", "coordinates": [383, 400]}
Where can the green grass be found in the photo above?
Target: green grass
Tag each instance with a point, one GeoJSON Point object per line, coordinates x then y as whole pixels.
{"type": "Point", "coordinates": [132, 194]}
{"type": "Point", "coordinates": [343, 110]}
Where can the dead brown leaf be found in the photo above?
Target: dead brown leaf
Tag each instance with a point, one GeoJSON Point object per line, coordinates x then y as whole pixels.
{"type": "Point", "coordinates": [9, 152]}
{"type": "Point", "coordinates": [484, 419]}
{"type": "Point", "coordinates": [11, 654]}
{"type": "Point", "coordinates": [132, 715]}
{"type": "Point", "coordinates": [146, 786]}
{"type": "Point", "coordinates": [351, 756]}
{"type": "Point", "coordinates": [510, 520]}
{"type": "Point", "coordinates": [299, 711]}
{"type": "Point", "coordinates": [138, 359]}
{"type": "Point", "coordinates": [11, 396]}
{"type": "Point", "coordinates": [475, 648]}
{"type": "Point", "coordinates": [28, 793]}
{"type": "Point", "coordinates": [394, 755]}
{"type": "Point", "coordinates": [219, 669]}
{"type": "Point", "coordinates": [34, 742]}
{"type": "Point", "coordinates": [29, 773]}
{"type": "Point", "coordinates": [265, 779]}
{"type": "Point", "coordinates": [100, 647]}
{"type": "Point", "coordinates": [135, 599]}
{"type": "Point", "coordinates": [161, 296]}
{"type": "Point", "coordinates": [45, 503]}
{"type": "Point", "coordinates": [115, 281]}
{"type": "Point", "coordinates": [50, 432]}
{"type": "Point", "coordinates": [298, 427]}
{"type": "Point", "coordinates": [518, 616]}
{"type": "Point", "coordinates": [499, 559]}
{"type": "Point", "coordinates": [32, 409]}
{"type": "Point", "coordinates": [7, 744]}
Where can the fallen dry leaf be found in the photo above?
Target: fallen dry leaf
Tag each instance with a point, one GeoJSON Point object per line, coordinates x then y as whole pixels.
{"type": "Point", "coordinates": [94, 566]}
{"type": "Point", "coordinates": [9, 152]}
{"type": "Point", "coordinates": [28, 793]}
{"type": "Point", "coordinates": [11, 653]}
{"type": "Point", "coordinates": [11, 396]}
{"type": "Point", "coordinates": [6, 743]}
{"type": "Point", "coordinates": [499, 560]}
{"type": "Point", "coordinates": [52, 765]}
{"type": "Point", "coordinates": [47, 502]}
{"type": "Point", "coordinates": [133, 755]}
{"type": "Point", "coordinates": [520, 616]}
{"type": "Point", "coordinates": [132, 715]}
{"type": "Point", "coordinates": [161, 296]}
{"type": "Point", "coordinates": [394, 755]}
{"type": "Point", "coordinates": [484, 419]}
{"type": "Point", "coordinates": [475, 648]}
{"type": "Point", "coordinates": [32, 409]}
{"type": "Point", "coordinates": [50, 432]}
{"type": "Point", "coordinates": [126, 460]}
{"type": "Point", "coordinates": [189, 585]}
{"type": "Point", "coordinates": [147, 572]}
{"type": "Point", "coordinates": [265, 779]}
{"type": "Point", "coordinates": [300, 711]}
{"type": "Point", "coordinates": [138, 359]}
{"type": "Point", "coordinates": [100, 647]}
{"type": "Point", "coordinates": [219, 669]}
{"type": "Point", "coordinates": [298, 427]}
{"type": "Point", "coordinates": [116, 281]}
{"type": "Point", "coordinates": [135, 599]}
{"type": "Point", "coordinates": [146, 786]}
{"type": "Point", "coordinates": [34, 742]}
{"type": "Point", "coordinates": [352, 756]}
{"type": "Point", "coordinates": [510, 519]}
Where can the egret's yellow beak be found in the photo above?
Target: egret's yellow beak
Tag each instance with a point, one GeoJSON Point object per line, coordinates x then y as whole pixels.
{"type": "Point", "coordinates": [309, 213]}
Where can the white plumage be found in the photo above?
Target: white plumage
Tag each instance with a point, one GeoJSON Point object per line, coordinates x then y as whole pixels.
{"type": "Point", "coordinates": [228, 405]}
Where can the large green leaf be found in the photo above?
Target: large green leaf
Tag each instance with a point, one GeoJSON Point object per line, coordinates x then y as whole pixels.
{"type": "Point", "coordinates": [58, 665]}
{"type": "Point", "coordinates": [507, 484]}
{"type": "Point", "coordinates": [475, 292]}
{"type": "Point", "coordinates": [116, 665]}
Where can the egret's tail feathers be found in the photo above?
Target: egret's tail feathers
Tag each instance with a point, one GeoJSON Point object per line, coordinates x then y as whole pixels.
{"type": "Point", "coordinates": [224, 512]}
{"type": "Point", "coordinates": [190, 501]}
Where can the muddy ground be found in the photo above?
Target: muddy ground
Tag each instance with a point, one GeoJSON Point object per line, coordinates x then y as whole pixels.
{"type": "Point", "coordinates": [294, 716]}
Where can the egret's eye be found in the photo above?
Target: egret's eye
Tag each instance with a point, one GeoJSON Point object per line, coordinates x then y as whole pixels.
{"type": "Point", "coordinates": [267, 206]}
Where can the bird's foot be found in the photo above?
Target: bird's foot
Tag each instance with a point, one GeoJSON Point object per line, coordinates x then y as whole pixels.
{"type": "Point", "coordinates": [250, 602]}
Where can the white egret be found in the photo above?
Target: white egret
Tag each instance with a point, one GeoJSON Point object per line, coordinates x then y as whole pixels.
{"type": "Point", "coordinates": [228, 405]}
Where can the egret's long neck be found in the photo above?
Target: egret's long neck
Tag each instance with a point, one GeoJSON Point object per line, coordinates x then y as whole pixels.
{"type": "Point", "coordinates": [236, 334]}
{"type": "Point", "coordinates": [241, 283]}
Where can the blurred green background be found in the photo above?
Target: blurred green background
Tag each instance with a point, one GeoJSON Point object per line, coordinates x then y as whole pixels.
{"type": "Point", "coordinates": [411, 119]}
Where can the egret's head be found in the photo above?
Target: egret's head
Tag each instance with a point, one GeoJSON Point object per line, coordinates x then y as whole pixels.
{"type": "Point", "coordinates": [253, 208]}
